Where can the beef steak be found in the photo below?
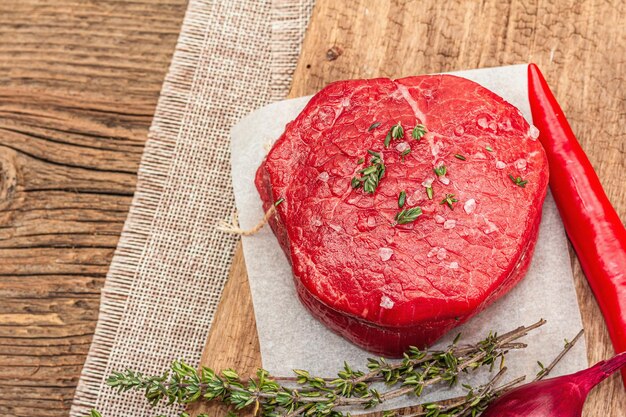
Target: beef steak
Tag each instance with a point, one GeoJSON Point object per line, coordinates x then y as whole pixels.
{"type": "Point", "coordinates": [387, 282]}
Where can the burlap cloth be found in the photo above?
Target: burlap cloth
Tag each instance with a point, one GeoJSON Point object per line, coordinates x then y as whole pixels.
{"type": "Point", "coordinates": [170, 266]}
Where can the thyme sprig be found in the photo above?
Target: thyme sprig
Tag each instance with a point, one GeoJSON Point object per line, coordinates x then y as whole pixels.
{"type": "Point", "coordinates": [401, 199]}
{"type": "Point", "coordinates": [474, 402]}
{"type": "Point", "coordinates": [440, 170]}
{"type": "Point", "coordinates": [477, 399]}
{"type": "Point", "coordinates": [396, 132]}
{"type": "Point", "coordinates": [449, 201]}
{"type": "Point", "coordinates": [312, 396]}
{"type": "Point", "coordinates": [545, 370]}
{"type": "Point", "coordinates": [429, 192]}
{"type": "Point", "coordinates": [373, 126]}
{"type": "Point", "coordinates": [518, 181]}
{"type": "Point", "coordinates": [418, 132]}
{"type": "Point", "coordinates": [408, 215]}
{"type": "Point", "coordinates": [371, 175]}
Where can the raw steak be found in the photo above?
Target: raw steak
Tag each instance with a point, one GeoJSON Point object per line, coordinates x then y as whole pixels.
{"type": "Point", "coordinates": [384, 284]}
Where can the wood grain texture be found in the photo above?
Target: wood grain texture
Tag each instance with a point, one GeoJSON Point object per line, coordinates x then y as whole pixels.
{"type": "Point", "coordinates": [79, 82]}
{"type": "Point", "coordinates": [579, 45]}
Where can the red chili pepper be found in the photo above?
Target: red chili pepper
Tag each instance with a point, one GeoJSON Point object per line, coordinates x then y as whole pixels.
{"type": "Point", "coordinates": [591, 222]}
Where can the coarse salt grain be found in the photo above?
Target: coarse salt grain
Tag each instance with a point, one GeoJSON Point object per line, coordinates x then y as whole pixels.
{"type": "Point", "coordinates": [493, 126]}
{"type": "Point", "coordinates": [428, 182]}
{"type": "Point", "coordinates": [521, 164]}
{"type": "Point", "coordinates": [371, 221]}
{"type": "Point", "coordinates": [500, 165]}
{"type": "Point", "coordinates": [444, 180]}
{"type": "Point", "coordinates": [335, 227]}
{"type": "Point", "coordinates": [482, 122]}
{"type": "Point", "coordinates": [449, 224]}
{"type": "Point", "coordinates": [533, 132]}
{"type": "Point", "coordinates": [469, 206]}
{"type": "Point", "coordinates": [454, 265]}
{"type": "Point", "coordinates": [386, 302]}
{"type": "Point", "coordinates": [432, 252]}
{"type": "Point", "coordinates": [385, 254]}
{"type": "Point", "coordinates": [323, 176]}
{"type": "Point", "coordinates": [440, 219]}
{"type": "Point", "coordinates": [459, 130]}
{"type": "Point", "coordinates": [402, 146]}
{"type": "Point", "coordinates": [441, 254]}
{"type": "Point", "coordinates": [491, 227]}
{"type": "Point", "coordinates": [436, 148]}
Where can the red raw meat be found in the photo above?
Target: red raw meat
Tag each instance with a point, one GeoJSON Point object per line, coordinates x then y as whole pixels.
{"type": "Point", "coordinates": [384, 286]}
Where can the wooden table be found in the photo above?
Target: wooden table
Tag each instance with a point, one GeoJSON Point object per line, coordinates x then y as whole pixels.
{"type": "Point", "coordinates": [369, 38]}
{"type": "Point", "coordinates": [79, 80]}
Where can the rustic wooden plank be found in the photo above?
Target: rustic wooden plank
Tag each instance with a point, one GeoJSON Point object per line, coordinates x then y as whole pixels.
{"type": "Point", "coordinates": [79, 82]}
{"type": "Point", "coordinates": [235, 344]}
{"type": "Point", "coordinates": [579, 46]}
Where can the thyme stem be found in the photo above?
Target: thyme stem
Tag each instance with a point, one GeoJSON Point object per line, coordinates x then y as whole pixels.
{"type": "Point", "coordinates": [489, 390]}
{"type": "Point", "coordinates": [320, 397]}
{"type": "Point", "coordinates": [569, 345]}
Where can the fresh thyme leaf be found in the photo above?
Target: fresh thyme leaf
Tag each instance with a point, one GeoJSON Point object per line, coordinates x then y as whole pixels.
{"type": "Point", "coordinates": [370, 184]}
{"type": "Point", "coordinates": [429, 192]}
{"type": "Point", "coordinates": [373, 126]}
{"type": "Point", "coordinates": [369, 170]}
{"type": "Point", "coordinates": [360, 161]}
{"type": "Point", "coordinates": [405, 153]}
{"type": "Point", "coordinates": [449, 200]}
{"type": "Point", "coordinates": [279, 202]}
{"type": "Point", "coordinates": [387, 139]}
{"type": "Point", "coordinates": [397, 132]}
{"type": "Point", "coordinates": [440, 171]}
{"type": "Point", "coordinates": [370, 175]}
{"type": "Point", "coordinates": [489, 148]}
{"type": "Point", "coordinates": [401, 199]}
{"type": "Point", "coordinates": [459, 156]}
{"type": "Point", "coordinates": [408, 215]}
{"type": "Point", "coordinates": [381, 172]}
{"type": "Point", "coordinates": [518, 181]}
{"type": "Point", "coordinates": [418, 132]}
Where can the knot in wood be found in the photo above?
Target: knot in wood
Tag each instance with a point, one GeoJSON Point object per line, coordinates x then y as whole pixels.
{"type": "Point", "coordinates": [8, 174]}
{"type": "Point", "coordinates": [333, 53]}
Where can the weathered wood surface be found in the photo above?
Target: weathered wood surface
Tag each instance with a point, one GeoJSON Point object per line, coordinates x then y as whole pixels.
{"type": "Point", "coordinates": [79, 82]}
{"type": "Point", "coordinates": [579, 45]}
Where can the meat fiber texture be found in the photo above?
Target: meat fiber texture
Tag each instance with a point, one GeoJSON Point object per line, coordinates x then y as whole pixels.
{"type": "Point", "coordinates": [387, 286]}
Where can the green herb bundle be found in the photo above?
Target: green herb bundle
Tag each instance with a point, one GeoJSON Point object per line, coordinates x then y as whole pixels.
{"type": "Point", "coordinates": [311, 396]}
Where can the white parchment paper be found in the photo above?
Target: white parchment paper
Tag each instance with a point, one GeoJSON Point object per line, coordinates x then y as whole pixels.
{"type": "Point", "coordinates": [291, 338]}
